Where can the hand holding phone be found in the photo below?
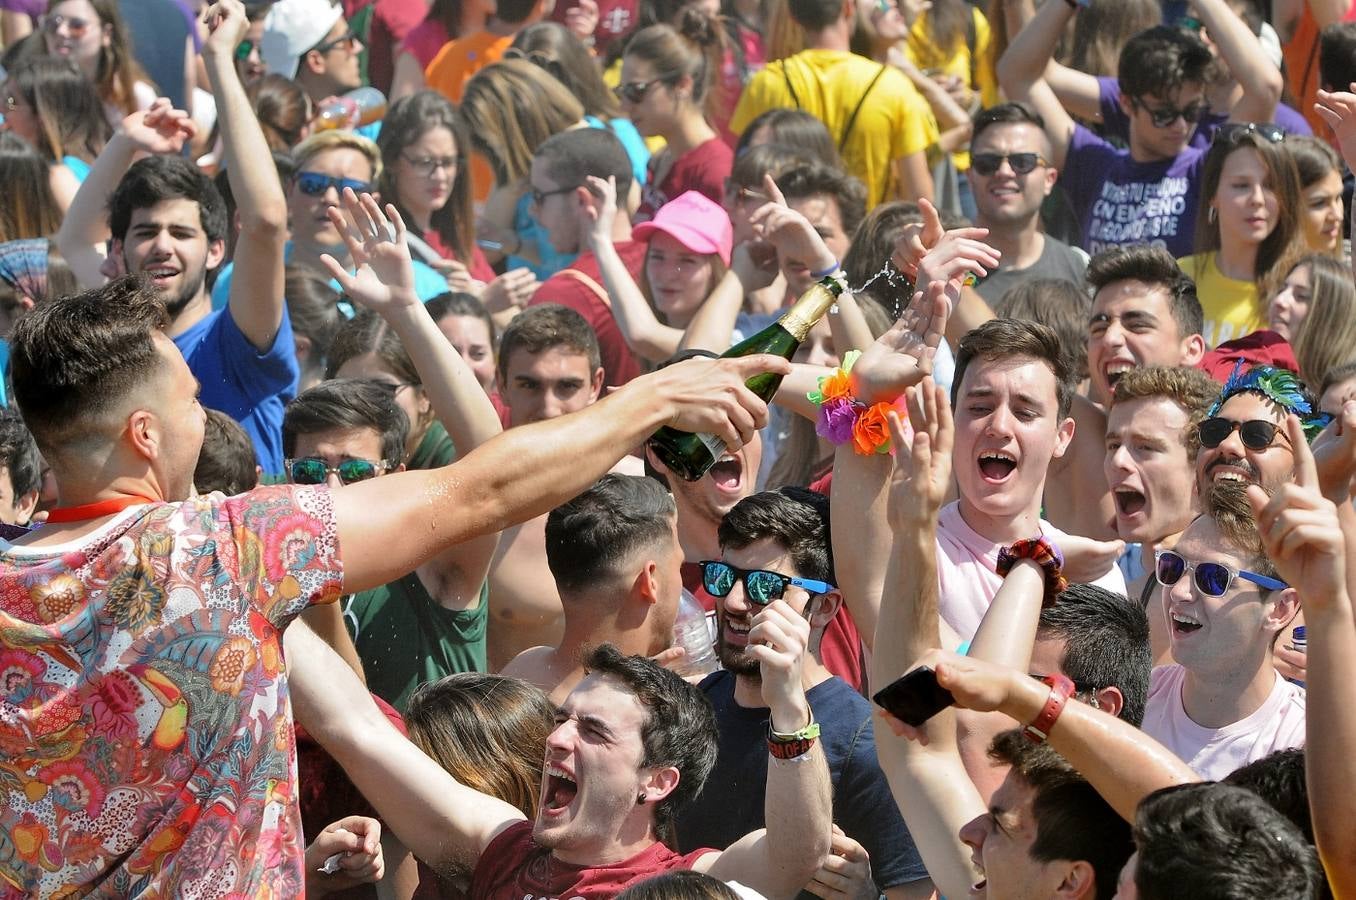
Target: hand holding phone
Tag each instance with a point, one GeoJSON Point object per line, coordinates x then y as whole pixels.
{"type": "Point", "coordinates": [914, 697]}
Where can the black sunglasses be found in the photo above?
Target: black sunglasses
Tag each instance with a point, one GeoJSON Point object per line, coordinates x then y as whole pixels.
{"type": "Point", "coordinates": [1165, 116]}
{"type": "Point", "coordinates": [760, 585]}
{"type": "Point", "coordinates": [539, 196]}
{"type": "Point", "coordinates": [312, 470]}
{"type": "Point", "coordinates": [315, 184]}
{"type": "Point", "coordinates": [1211, 578]}
{"type": "Point", "coordinates": [635, 91]}
{"type": "Point", "coordinates": [1232, 131]}
{"type": "Point", "coordinates": [987, 164]}
{"type": "Point", "coordinates": [1256, 434]}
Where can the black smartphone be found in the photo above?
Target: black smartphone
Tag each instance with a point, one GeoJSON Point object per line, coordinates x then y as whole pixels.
{"type": "Point", "coordinates": [914, 697]}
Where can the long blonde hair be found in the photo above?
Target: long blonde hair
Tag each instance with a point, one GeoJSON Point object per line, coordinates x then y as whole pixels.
{"type": "Point", "coordinates": [1327, 337]}
{"type": "Point", "coordinates": [510, 108]}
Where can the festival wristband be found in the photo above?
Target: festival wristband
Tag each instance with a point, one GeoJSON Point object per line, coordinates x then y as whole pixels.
{"type": "Point", "coordinates": [1061, 688]}
{"type": "Point", "coordinates": [825, 273]}
{"type": "Point", "coordinates": [797, 743]}
{"type": "Point", "coordinates": [843, 418]}
{"type": "Point", "coordinates": [1044, 554]}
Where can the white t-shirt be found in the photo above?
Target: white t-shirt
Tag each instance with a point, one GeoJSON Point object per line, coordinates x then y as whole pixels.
{"type": "Point", "coordinates": [967, 571]}
{"type": "Point", "coordinates": [1277, 724]}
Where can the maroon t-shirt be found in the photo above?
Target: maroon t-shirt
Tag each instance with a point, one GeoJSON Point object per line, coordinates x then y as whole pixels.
{"type": "Point", "coordinates": [479, 266]}
{"type": "Point", "coordinates": [620, 365]}
{"type": "Point", "coordinates": [703, 169]}
{"type": "Point", "coordinates": [515, 868]}
{"type": "Point", "coordinates": [616, 18]}
{"type": "Point", "coordinates": [391, 21]}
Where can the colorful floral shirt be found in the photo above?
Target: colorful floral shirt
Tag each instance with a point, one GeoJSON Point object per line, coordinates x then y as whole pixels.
{"type": "Point", "coordinates": [146, 741]}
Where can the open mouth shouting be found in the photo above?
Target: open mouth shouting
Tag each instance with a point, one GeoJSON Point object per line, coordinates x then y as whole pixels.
{"type": "Point", "coordinates": [1183, 623]}
{"type": "Point", "coordinates": [1231, 469]}
{"type": "Point", "coordinates": [728, 474]}
{"type": "Point", "coordinates": [1114, 369]}
{"type": "Point", "coordinates": [1129, 501]}
{"type": "Point", "coordinates": [996, 466]}
{"type": "Point", "coordinates": [558, 790]}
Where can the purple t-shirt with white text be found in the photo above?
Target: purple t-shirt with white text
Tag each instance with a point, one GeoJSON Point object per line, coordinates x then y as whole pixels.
{"type": "Point", "coordinates": [1120, 201]}
{"type": "Point", "coordinates": [1116, 124]}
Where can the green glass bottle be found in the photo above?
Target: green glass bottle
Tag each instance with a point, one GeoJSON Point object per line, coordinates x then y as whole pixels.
{"type": "Point", "coordinates": [690, 455]}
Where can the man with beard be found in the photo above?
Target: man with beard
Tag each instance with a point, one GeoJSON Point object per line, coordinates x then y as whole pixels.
{"type": "Point", "coordinates": [169, 223]}
{"type": "Point", "coordinates": [776, 545]}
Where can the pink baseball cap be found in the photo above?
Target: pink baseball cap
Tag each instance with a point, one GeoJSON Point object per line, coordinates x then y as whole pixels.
{"type": "Point", "coordinates": [695, 221]}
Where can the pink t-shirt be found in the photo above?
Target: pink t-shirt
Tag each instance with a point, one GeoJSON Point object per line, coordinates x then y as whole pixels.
{"type": "Point", "coordinates": [1278, 724]}
{"type": "Point", "coordinates": [145, 734]}
{"type": "Point", "coordinates": [967, 571]}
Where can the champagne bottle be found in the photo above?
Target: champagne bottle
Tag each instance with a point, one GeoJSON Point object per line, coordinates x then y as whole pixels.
{"type": "Point", "coordinates": [690, 455]}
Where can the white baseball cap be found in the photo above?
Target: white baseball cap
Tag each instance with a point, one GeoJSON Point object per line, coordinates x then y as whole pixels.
{"type": "Point", "coordinates": [291, 28]}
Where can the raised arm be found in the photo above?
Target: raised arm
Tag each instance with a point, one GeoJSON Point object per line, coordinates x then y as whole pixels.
{"type": "Point", "coordinates": [640, 327]}
{"type": "Point", "coordinates": [929, 783]}
{"type": "Point", "coordinates": [1021, 72]}
{"type": "Point", "coordinates": [444, 822]}
{"type": "Point", "coordinates": [160, 129]}
{"type": "Point", "coordinates": [1242, 52]}
{"type": "Point", "coordinates": [798, 809]}
{"type": "Point", "coordinates": [383, 281]}
{"type": "Point", "coordinates": [256, 300]}
{"type": "Point", "coordinates": [1310, 540]}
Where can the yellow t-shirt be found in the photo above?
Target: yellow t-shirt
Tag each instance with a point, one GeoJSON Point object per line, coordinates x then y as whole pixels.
{"type": "Point", "coordinates": [894, 120]}
{"type": "Point", "coordinates": [1231, 307]}
{"type": "Point", "coordinates": [977, 71]}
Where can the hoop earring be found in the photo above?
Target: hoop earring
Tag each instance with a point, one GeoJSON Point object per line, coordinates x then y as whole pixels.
{"type": "Point", "coordinates": [1211, 215]}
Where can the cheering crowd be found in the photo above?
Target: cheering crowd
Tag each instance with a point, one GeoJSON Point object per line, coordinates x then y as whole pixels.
{"type": "Point", "coordinates": [335, 557]}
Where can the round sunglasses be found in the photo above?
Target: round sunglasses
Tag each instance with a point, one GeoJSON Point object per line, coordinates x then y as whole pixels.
{"type": "Point", "coordinates": [760, 585]}
{"type": "Point", "coordinates": [1256, 434]}
{"type": "Point", "coordinates": [312, 470]}
{"type": "Point", "coordinates": [1211, 578]}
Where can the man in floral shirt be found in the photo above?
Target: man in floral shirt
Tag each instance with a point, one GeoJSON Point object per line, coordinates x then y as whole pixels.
{"type": "Point", "coordinates": [145, 730]}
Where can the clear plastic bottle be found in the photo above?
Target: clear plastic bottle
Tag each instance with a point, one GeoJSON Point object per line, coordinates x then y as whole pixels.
{"type": "Point", "coordinates": [691, 632]}
{"type": "Point", "coordinates": [353, 110]}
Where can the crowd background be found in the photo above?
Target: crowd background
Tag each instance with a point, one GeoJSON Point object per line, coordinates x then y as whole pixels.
{"type": "Point", "coordinates": [1100, 305]}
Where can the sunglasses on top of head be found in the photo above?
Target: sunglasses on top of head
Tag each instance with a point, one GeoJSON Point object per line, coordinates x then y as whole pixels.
{"type": "Point", "coordinates": [1256, 434]}
{"type": "Point", "coordinates": [1211, 578]}
{"type": "Point", "coordinates": [1232, 131]}
{"type": "Point", "coordinates": [760, 585]}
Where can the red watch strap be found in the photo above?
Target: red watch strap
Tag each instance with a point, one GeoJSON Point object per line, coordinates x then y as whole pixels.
{"type": "Point", "coordinates": [1061, 688]}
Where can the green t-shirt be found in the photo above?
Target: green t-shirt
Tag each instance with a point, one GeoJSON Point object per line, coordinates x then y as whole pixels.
{"type": "Point", "coordinates": [405, 638]}
{"type": "Point", "coordinates": [435, 449]}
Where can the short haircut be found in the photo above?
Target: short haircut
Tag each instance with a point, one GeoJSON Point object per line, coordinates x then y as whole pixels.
{"type": "Point", "coordinates": [1073, 822]}
{"type": "Point", "coordinates": [514, 12]}
{"type": "Point", "coordinates": [1160, 60]}
{"type": "Point", "coordinates": [795, 518]}
{"type": "Point", "coordinates": [1279, 780]}
{"type": "Point", "coordinates": [679, 728]}
{"type": "Point", "coordinates": [158, 178]}
{"type": "Point", "coordinates": [1337, 56]}
{"type": "Point", "coordinates": [1056, 302]}
{"type": "Point", "coordinates": [74, 359]}
{"type": "Point", "coordinates": [19, 455]}
{"type": "Point", "coordinates": [227, 461]}
{"type": "Point", "coordinates": [1005, 114]}
{"type": "Point", "coordinates": [571, 156]}
{"type": "Point", "coordinates": [348, 403]}
{"type": "Point", "coordinates": [540, 328]}
{"type": "Point", "coordinates": [1226, 501]}
{"type": "Point", "coordinates": [1190, 388]}
{"type": "Point", "coordinates": [791, 129]}
{"type": "Point", "coordinates": [815, 15]}
{"type": "Point", "coordinates": [1106, 644]}
{"type": "Point", "coordinates": [816, 179]}
{"type": "Point", "coordinates": [1002, 339]}
{"type": "Point", "coordinates": [1211, 841]}
{"type": "Point", "coordinates": [1337, 375]}
{"type": "Point", "coordinates": [1153, 266]}
{"type": "Point", "coordinates": [324, 141]}
{"type": "Point", "coordinates": [591, 537]}
{"type": "Point", "coordinates": [679, 884]}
